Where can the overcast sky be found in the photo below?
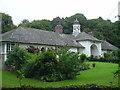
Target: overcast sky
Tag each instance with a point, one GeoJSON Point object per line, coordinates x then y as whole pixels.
{"type": "Point", "coordinates": [49, 9]}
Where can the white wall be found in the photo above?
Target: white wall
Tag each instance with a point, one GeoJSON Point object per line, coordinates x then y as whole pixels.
{"type": "Point", "coordinates": [73, 50]}
{"type": "Point", "coordinates": [36, 46]}
{"type": "Point", "coordinates": [87, 45]}
{"type": "Point", "coordinates": [3, 51]}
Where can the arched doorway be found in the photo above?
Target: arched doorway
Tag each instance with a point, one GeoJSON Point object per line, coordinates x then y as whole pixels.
{"type": "Point", "coordinates": [94, 50]}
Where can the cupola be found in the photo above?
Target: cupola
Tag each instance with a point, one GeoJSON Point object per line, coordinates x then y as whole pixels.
{"type": "Point", "coordinates": [76, 28]}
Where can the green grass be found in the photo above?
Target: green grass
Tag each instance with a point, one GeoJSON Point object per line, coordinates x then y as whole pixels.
{"type": "Point", "coordinates": [100, 75]}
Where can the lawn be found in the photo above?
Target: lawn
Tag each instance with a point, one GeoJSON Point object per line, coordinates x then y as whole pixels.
{"type": "Point", "coordinates": [100, 75]}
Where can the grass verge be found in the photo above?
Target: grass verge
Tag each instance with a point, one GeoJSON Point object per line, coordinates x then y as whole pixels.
{"type": "Point", "coordinates": [100, 75]}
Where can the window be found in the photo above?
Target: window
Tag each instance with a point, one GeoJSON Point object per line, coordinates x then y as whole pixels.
{"type": "Point", "coordinates": [10, 47]}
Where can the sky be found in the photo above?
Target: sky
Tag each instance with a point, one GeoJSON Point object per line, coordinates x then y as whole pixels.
{"type": "Point", "coordinates": [49, 9]}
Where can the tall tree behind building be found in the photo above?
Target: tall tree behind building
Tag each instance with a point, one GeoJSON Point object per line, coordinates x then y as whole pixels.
{"type": "Point", "coordinates": [7, 23]}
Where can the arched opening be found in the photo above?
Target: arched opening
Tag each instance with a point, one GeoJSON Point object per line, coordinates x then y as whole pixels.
{"type": "Point", "coordinates": [94, 50]}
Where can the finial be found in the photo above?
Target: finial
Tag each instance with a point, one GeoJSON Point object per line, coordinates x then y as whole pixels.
{"type": "Point", "coordinates": [76, 21]}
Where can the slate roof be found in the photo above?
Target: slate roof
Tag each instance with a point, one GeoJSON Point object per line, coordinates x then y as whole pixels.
{"type": "Point", "coordinates": [84, 36]}
{"type": "Point", "coordinates": [36, 36]}
{"type": "Point", "coordinates": [107, 46]}
{"type": "Point", "coordinates": [0, 37]}
{"type": "Point", "coordinates": [70, 40]}
{"type": "Point", "coordinates": [42, 37]}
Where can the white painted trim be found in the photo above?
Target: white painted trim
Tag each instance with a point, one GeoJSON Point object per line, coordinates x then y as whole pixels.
{"type": "Point", "coordinates": [5, 52]}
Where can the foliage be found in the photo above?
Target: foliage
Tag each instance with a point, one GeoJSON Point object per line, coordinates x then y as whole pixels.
{"type": "Point", "coordinates": [83, 57]}
{"type": "Point", "coordinates": [39, 24]}
{"type": "Point", "coordinates": [17, 58]}
{"type": "Point", "coordinates": [84, 66]}
{"type": "Point", "coordinates": [47, 67]}
{"type": "Point", "coordinates": [7, 23]}
{"type": "Point", "coordinates": [57, 21]}
{"type": "Point", "coordinates": [112, 56]}
{"type": "Point", "coordinates": [33, 50]}
{"type": "Point", "coordinates": [117, 53]}
{"type": "Point", "coordinates": [68, 63]}
{"type": "Point", "coordinates": [29, 68]}
{"type": "Point", "coordinates": [20, 76]}
{"type": "Point", "coordinates": [117, 72]}
{"type": "Point", "coordinates": [44, 65]}
{"type": "Point", "coordinates": [25, 23]}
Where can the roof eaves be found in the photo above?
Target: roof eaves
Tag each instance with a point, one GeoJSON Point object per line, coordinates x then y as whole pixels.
{"type": "Point", "coordinates": [89, 40]}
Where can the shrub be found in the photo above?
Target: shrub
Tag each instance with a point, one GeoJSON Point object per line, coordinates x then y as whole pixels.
{"type": "Point", "coordinates": [30, 68]}
{"type": "Point", "coordinates": [69, 65]}
{"type": "Point", "coordinates": [45, 66]}
{"type": "Point", "coordinates": [20, 76]}
{"type": "Point", "coordinates": [41, 66]}
{"type": "Point", "coordinates": [17, 58]}
{"type": "Point", "coordinates": [111, 57]}
{"type": "Point", "coordinates": [84, 66]}
{"type": "Point", "coordinates": [83, 57]}
{"type": "Point", "coordinates": [33, 50]}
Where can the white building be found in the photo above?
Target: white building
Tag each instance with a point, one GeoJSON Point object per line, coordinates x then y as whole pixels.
{"type": "Point", "coordinates": [79, 42]}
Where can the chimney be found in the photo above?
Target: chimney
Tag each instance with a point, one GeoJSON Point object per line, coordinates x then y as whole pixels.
{"type": "Point", "coordinates": [59, 29]}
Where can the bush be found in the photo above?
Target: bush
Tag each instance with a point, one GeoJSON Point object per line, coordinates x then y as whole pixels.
{"type": "Point", "coordinates": [83, 57]}
{"type": "Point", "coordinates": [30, 69]}
{"type": "Point", "coordinates": [111, 57]}
{"type": "Point", "coordinates": [17, 58]}
{"type": "Point", "coordinates": [45, 66]}
{"type": "Point", "coordinates": [33, 50]}
{"type": "Point", "coordinates": [84, 66]}
{"type": "Point", "coordinates": [69, 65]}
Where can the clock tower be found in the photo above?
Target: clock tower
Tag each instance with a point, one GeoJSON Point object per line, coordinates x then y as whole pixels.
{"type": "Point", "coordinates": [76, 28]}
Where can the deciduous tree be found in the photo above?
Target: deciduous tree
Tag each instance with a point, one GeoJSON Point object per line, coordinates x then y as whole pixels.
{"type": "Point", "coordinates": [7, 23]}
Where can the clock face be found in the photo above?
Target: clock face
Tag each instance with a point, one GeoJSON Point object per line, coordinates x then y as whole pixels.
{"type": "Point", "coordinates": [76, 27]}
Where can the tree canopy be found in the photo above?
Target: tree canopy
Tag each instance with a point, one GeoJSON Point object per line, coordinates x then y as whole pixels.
{"type": "Point", "coordinates": [7, 23]}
